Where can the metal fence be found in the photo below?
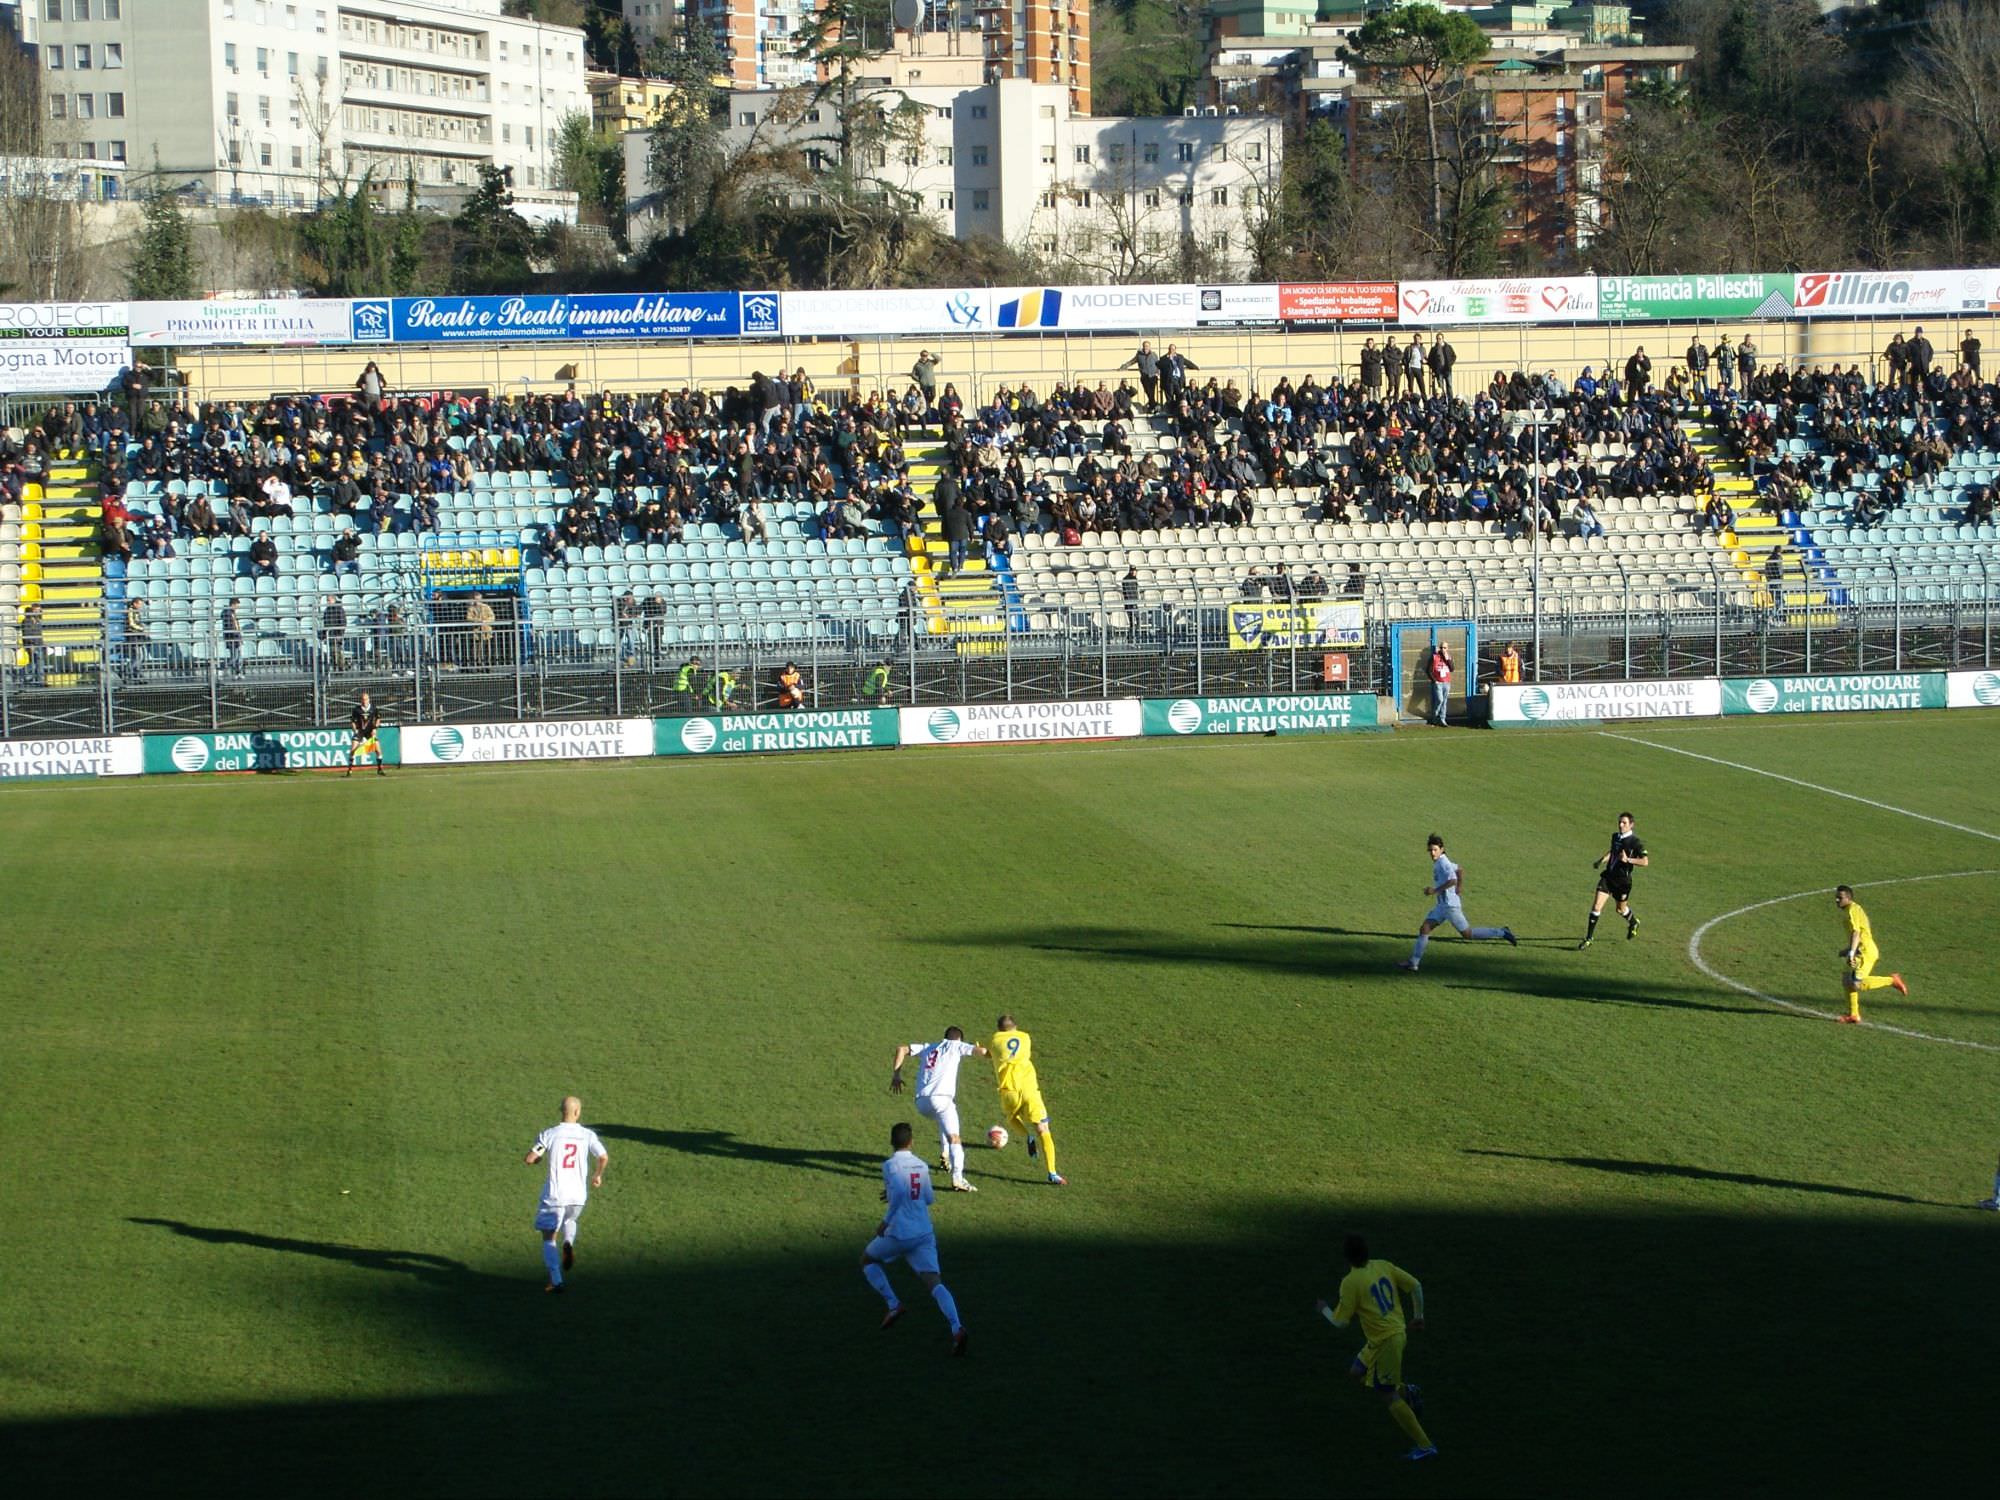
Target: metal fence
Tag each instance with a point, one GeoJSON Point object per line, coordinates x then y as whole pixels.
{"type": "Point", "coordinates": [1086, 639]}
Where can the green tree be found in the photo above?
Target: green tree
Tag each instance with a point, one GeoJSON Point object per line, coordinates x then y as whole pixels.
{"type": "Point", "coordinates": [1146, 55]}
{"type": "Point", "coordinates": [1430, 50]}
{"type": "Point", "coordinates": [345, 247]}
{"type": "Point", "coordinates": [684, 155]}
{"type": "Point", "coordinates": [553, 12]}
{"type": "Point", "coordinates": [163, 265]}
{"type": "Point", "coordinates": [492, 245]}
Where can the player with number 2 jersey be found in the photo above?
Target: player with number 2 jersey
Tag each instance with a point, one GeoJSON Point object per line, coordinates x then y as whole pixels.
{"type": "Point", "coordinates": [569, 1148]}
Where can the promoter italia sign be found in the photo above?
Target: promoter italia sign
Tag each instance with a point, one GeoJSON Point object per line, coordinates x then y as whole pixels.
{"type": "Point", "coordinates": [1020, 723]}
{"type": "Point", "coordinates": [738, 734]}
{"type": "Point", "coordinates": [1316, 713]}
{"type": "Point", "coordinates": [116, 755]}
{"type": "Point", "coordinates": [543, 739]}
{"type": "Point", "coordinates": [1832, 695]}
{"type": "Point", "coordinates": [258, 750]}
{"type": "Point", "coordinates": [1973, 689]}
{"type": "Point", "coordinates": [1568, 702]}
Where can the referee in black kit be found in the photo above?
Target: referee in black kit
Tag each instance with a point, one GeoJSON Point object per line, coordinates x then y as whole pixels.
{"type": "Point", "coordinates": [1624, 856]}
{"type": "Point", "coordinates": [364, 724]}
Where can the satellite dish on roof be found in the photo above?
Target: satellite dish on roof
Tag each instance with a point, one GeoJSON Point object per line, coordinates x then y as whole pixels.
{"type": "Point", "coordinates": [906, 14]}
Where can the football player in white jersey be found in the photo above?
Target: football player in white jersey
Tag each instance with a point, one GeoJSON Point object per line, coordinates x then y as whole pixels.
{"type": "Point", "coordinates": [905, 1234]}
{"type": "Point", "coordinates": [1447, 879]}
{"type": "Point", "coordinates": [569, 1148]}
{"type": "Point", "coordinates": [937, 1094]}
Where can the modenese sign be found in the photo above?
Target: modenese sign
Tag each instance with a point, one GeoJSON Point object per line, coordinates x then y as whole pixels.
{"type": "Point", "coordinates": [1569, 702]}
{"type": "Point", "coordinates": [1021, 723]}
{"type": "Point", "coordinates": [545, 739]}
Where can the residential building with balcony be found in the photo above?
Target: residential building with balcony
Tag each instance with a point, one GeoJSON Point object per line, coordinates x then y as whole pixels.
{"type": "Point", "coordinates": [281, 102]}
{"type": "Point", "coordinates": [1110, 198]}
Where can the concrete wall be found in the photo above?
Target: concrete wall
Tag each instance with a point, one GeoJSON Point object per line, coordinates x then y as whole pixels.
{"type": "Point", "coordinates": [1252, 358]}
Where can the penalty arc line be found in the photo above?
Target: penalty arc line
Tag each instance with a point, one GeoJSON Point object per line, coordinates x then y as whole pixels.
{"type": "Point", "coordinates": [1695, 956]}
{"type": "Point", "coordinates": [1811, 786]}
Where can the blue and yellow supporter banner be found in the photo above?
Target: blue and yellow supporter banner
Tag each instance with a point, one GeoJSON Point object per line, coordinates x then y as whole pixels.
{"type": "Point", "coordinates": [1319, 626]}
{"type": "Point", "coordinates": [470, 567]}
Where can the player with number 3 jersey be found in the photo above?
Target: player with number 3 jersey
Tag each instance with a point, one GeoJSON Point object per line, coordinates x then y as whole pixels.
{"type": "Point", "coordinates": [937, 1094]}
{"type": "Point", "coordinates": [1373, 1291]}
{"type": "Point", "coordinates": [568, 1148]}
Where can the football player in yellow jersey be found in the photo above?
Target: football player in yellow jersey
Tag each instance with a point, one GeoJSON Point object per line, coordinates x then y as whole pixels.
{"type": "Point", "coordinates": [1862, 955]}
{"type": "Point", "coordinates": [1021, 1107]}
{"type": "Point", "coordinates": [1373, 1291]}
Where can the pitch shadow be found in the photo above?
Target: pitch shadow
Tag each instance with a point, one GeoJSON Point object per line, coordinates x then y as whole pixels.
{"type": "Point", "coordinates": [1624, 1168]}
{"type": "Point", "coordinates": [1525, 940]}
{"type": "Point", "coordinates": [721, 1143]}
{"type": "Point", "coordinates": [407, 1262]}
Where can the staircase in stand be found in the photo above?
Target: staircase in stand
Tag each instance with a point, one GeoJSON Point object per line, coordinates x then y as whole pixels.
{"type": "Point", "coordinates": [62, 565]}
{"type": "Point", "coordinates": [968, 605]}
{"type": "Point", "coordinates": [1749, 545]}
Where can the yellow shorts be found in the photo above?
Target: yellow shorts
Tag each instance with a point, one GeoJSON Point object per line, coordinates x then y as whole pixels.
{"type": "Point", "coordinates": [1381, 1364]}
{"type": "Point", "coordinates": [1023, 1109]}
{"type": "Point", "coordinates": [1864, 963]}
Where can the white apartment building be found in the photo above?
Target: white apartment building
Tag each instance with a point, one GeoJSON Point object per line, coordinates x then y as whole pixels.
{"type": "Point", "coordinates": [282, 101]}
{"type": "Point", "coordinates": [1114, 199]}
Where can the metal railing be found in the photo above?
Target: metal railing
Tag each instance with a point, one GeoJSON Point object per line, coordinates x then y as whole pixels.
{"type": "Point", "coordinates": [1086, 638]}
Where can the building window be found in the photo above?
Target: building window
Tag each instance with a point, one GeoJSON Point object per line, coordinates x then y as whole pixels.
{"type": "Point", "coordinates": [53, 10]}
{"type": "Point", "coordinates": [506, 135]}
{"type": "Point", "coordinates": [264, 155]}
{"type": "Point", "coordinates": [1254, 151]}
{"type": "Point", "coordinates": [1083, 198]}
{"type": "Point", "coordinates": [117, 148]}
{"type": "Point", "coordinates": [1083, 156]}
{"type": "Point", "coordinates": [1152, 199]}
{"type": "Point", "coordinates": [1048, 244]}
{"type": "Point", "coordinates": [981, 199]}
{"type": "Point", "coordinates": [1150, 153]}
{"type": "Point", "coordinates": [319, 22]}
{"type": "Point", "coordinates": [944, 112]}
{"type": "Point", "coordinates": [231, 107]}
{"type": "Point", "coordinates": [235, 153]}
{"type": "Point", "coordinates": [264, 61]}
{"type": "Point", "coordinates": [979, 156]}
{"type": "Point", "coordinates": [747, 118]}
{"type": "Point", "coordinates": [1115, 155]}
{"type": "Point", "coordinates": [58, 107]}
{"type": "Point", "coordinates": [1187, 199]}
{"type": "Point", "coordinates": [947, 201]}
{"type": "Point", "coordinates": [114, 54]}
{"type": "Point", "coordinates": [111, 13]}
{"type": "Point", "coordinates": [229, 56]}
{"type": "Point", "coordinates": [114, 106]}
{"type": "Point", "coordinates": [1048, 111]}
{"type": "Point", "coordinates": [83, 10]}
{"type": "Point", "coordinates": [1048, 199]}
{"type": "Point", "coordinates": [86, 106]}
{"type": "Point", "coordinates": [1048, 156]}
{"type": "Point", "coordinates": [1184, 151]}
{"type": "Point", "coordinates": [298, 157]}
{"type": "Point", "coordinates": [1221, 151]}
{"type": "Point", "coordinates": [292, 64]}
{"type": "Point", "coordinates": [264, 108]}
{"type": "Point", "coordinates": [944, 157]}
{"type": "Point", "coordinates": [1249, 197]}
{"type": "Point", "coordinates": [978, 111]}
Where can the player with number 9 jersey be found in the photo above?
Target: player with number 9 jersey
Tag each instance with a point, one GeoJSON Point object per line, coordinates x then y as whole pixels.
{"type": "Point", "coordinates": [1021, 1108]}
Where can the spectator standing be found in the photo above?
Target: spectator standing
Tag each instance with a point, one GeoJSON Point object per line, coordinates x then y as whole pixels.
{"type": "Point", "coordinates": [654, 608]}
{"type": "Point", "coordinates": [1697, 364]}
{"type": "Point", "coordinates": [1148, 365]}
{"type": "Point", "coordinates": [232, 638]}
{"type": "Point", "coordinates": [1392, 365]}
{"type": "Point", "coordinates": [1897, 357]}
{"type": "Point", "coordinates": [1174, 367]}
{"type": "Point", "coordinates": [1129, 587]}
{"type": "Point", "coordinates": [957, 533]}
{"type": "Point", "coordinates": [34, 644]}
{"type": "Point", "coordinates": [875, 686]}
{"type": "Point", "coordinates": [480, 617]}
{"type": "Point", "coordinates": [1510, 664]}
{"type": "Point", "coordinates": [1443, 358]}
{"type": "Point", "coordinates": [1920, 354]}
{"type": "Point", "coordinates": [924, 373]}
{"type": "Point", "coordinates": [1746, 361]}
{"type": "Point", "coordinates": [333, 632]}
{"type": "Point", "coordinates": [1371, 369]}
{"type": "Point", "coordinates": [1439, 672]}
{"type": "Point", "coordinates": [687, 683]}
{"type": "Point", "coordinates": [1416, 364]}
{"type": "Point", "coordinates": [1638, 373]}
{"type": "Point", "coordinates": [1968, 355]}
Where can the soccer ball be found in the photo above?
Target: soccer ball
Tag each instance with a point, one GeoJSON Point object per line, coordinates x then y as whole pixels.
{"type": "Point", "coordinates": [997, 1137]}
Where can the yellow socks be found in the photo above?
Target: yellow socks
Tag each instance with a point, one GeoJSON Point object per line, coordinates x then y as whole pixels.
{"type": "Point", "coordinates": [1407, 1420]}
{"type": "Point", "coordinates": [1048, 1152]}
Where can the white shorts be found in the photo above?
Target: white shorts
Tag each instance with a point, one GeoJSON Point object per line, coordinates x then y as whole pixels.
{"type": "Point", "coordinates": [940, 1108]}
{"type": "Point", "coordinates": [919, 1255]}
{"type": "Point", "coordinates": [1448, 912]}
{"type": "Point", "coordinates": [555, 1215]}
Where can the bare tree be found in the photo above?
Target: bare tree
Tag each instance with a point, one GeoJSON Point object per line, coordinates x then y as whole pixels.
{"type": "Point", "coordinates": [1954, 77]}
{"type": "Point", "coordinates": [41, 219]}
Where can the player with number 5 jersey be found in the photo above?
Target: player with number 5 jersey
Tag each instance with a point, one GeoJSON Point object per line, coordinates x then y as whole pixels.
{"type": "Point", "coordinates": [905, 1234]}
{"type": "Point", "coordinates": [1373, 1291]}
{"type": "Point", "coordinates": [1021, 1106]}
{"type": "Point", "coordinates": [569, 1148]}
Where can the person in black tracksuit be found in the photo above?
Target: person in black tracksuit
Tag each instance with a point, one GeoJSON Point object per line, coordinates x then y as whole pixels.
{"type": "Point", "coordinates": [1625, 855]}
{"type": "Point", "coordinates": [364, 722]}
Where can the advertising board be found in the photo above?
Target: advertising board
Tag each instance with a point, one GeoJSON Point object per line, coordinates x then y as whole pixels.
{"type": "Point", "coordinates": [1020, 723]}
{"type": "Point", "coordinates": [546, 739]}
{"type": "Point", "coordinates": [1567, 702]}
{"type": "Point", "coordinates": [1301, 713]}
{"type": "Point", "coordinates": [754, 734]}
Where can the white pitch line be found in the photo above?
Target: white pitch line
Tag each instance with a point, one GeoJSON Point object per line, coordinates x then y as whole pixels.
{"type": "Point", "coordinates": [1694, 955]}
{"type": "Point", "coordinates": [1811, 786]}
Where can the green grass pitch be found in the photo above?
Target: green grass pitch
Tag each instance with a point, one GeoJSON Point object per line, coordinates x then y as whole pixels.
{"type": "Point", "coordinates": [274, 1049]}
